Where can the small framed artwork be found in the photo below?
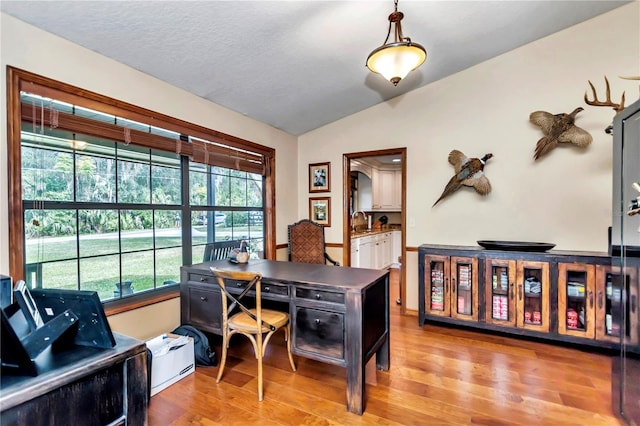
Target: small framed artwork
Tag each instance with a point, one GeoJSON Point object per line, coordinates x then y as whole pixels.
{"type": "Point", "coordinates": [320, 210]}
{"type": "Point", "coordinates": [319, 177]}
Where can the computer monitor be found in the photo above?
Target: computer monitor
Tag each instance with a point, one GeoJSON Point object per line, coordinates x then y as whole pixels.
{"type": "Point", "coordinates": [93, 327]}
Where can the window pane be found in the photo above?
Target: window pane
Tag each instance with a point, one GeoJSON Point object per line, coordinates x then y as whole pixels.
{"type": "Point", "coordinates": [168, 262]}
{"type": "Point", "coordinates": [49, 235]}
{"type": "Point", "coordinates": [199, 227]}
{"type": "Point", "coordinates": [95, 179]}
{"type": "Point", "coordinates": [137, 269]}
{"type": "Point", "coordinates": [168, 232]}
{"type": "Point", "coordinates": [197, 253]}
{"type": "Point", "coordinates": [165, 182]}
{"type": "Point", "coordinates": [100, 274]}
{"type": "Point", "coordinates": [136, 230]}
{"type": "Point", "coordinates": [197, 188]}
{"type": "Point", "coordinates": [133, 182]}
{"type": "Point", "coordinates": [47, 175]}
{"type": "Point", "coordinates": [222, 192]}
{"type": "Point", "coordinates": [238, 192]}
{"type": "Point", "coordinates": [254, 190]}
{"type": "Point", "coordinates": [98, 232]}
{"type": "Point", "coordinates": [62, 275]}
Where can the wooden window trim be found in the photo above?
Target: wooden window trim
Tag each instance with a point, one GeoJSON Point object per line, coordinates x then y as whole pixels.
{"type": "Point", "coordinates": [18, 80]}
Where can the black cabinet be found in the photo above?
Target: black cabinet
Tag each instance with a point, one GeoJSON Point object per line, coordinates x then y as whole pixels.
{"type": "Point", "coordinates": [82, 385]}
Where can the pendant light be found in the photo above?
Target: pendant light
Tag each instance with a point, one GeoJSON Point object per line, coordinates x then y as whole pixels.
{"type": "Point", "coordinates": [395, 60]}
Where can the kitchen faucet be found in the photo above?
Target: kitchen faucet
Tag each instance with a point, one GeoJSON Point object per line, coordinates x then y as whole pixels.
{"type": "Point", "coordinates": [353, 219]}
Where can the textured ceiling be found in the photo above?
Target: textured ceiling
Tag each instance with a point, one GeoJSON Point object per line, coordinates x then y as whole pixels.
{"type": "Point", "coordinates": [296, 65]}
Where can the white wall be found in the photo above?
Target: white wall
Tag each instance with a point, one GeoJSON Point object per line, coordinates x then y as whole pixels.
{"type": "Point", "coordinates": [564, 198]}
{"type": "Point", "coordinates": [26, 47]}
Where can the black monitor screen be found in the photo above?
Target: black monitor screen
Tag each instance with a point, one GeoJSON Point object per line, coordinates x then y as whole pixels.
{"type": "Point", "coordinates": [93, 327]}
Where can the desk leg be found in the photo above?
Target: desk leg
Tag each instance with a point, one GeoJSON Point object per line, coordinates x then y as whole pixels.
{"type": "Point", "coordinates": [383, 353]}
{"type": "Point", "coordinates": [355, 356]}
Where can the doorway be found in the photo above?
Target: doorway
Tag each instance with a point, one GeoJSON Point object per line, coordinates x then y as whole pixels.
{"type": "Point", "coordinates": [380, 158]}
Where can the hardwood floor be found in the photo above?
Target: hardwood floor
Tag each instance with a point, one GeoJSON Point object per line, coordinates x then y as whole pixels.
{"type": "Point", "coordinates": [438, 376]}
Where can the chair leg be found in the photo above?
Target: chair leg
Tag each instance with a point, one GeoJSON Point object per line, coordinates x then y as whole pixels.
{"type": "Point", "coordinates": [287, 337]}
{"type": "Point", "coordinates": [259, 351]}
{"type": "Point", "coordinates": [223, 358]}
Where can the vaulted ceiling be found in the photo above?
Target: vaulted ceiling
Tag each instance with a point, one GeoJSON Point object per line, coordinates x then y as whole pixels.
{"type": "Point", "coordinates": [296, 65]}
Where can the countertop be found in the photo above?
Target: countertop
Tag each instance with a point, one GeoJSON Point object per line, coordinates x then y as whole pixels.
{"type": "Point", "coordinates": [364, 232]}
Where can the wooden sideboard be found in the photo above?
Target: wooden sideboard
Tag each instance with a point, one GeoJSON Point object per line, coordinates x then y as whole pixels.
{"type": "Point", "coordinates": [572, 297]}
{"type": "Point", "coordinates": [81, 385]}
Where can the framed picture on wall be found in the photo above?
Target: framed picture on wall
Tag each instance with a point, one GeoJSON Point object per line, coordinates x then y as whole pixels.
{"type": "Point", "coordinates": [319, 177]}
{"type": "Point", "coordinates": [320, 210]}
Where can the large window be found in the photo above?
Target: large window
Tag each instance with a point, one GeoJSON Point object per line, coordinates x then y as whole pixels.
{"type": "Point", "coordinates": [115, 205]}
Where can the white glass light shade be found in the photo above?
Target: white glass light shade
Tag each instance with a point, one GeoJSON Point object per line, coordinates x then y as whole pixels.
{"type": "Point", "coordinates": [395, 60]}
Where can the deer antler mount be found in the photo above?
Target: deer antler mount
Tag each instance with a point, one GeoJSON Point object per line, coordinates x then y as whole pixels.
{"type": "Point", "coordinates": [595, 102]}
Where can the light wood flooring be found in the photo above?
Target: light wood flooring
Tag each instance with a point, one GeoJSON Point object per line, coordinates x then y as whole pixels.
{"type": "Point", "coordinates": [438, 376]}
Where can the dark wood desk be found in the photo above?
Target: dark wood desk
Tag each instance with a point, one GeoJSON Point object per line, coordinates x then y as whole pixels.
{"type": "Point", "coordinates": [82, 385]}
{"type": "Point", "coordinates": [339, 315]}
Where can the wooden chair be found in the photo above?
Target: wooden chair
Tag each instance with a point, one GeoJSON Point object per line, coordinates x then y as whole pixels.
{"type": "Point", "coordinates": [219, 250]}
{"type": "Point", "coordinates": [257, 324]}
{"type": "Point", "coordinates": [306, 243]}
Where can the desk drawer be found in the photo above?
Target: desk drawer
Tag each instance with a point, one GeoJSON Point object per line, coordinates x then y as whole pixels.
{"type": "Point", "coordinates": [204, 307]}
{"type": "Point", "coordinates": [319, 332]}
{"type": "Point", "coordinates": [267, 288]}
{"type": "Point", "coordinates": [278, 289]}
{"type": "Point", "coordinates": [320, 295]}
{"type": "Point", "coordinates": [202, 278]}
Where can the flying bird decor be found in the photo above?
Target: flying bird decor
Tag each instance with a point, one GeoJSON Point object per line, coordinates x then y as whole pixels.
{"type": "Point", "coordinates": [469, 172]}
{"type": "Point", "coordinates": [558, 128]}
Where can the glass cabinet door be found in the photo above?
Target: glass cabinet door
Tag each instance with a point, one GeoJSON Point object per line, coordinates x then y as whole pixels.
{"type": "Point", "coordinates": [576, 310]}
{"type": "Point", "coordinates": [464, 288]}
{"type": "Point", "coordinates": [437, 271]}
{"type": "Point", "coordinates": [500, 292]}
{"type": "Point", "coordinates": [533, 295]}
{"type": "Point", "coordinates": [615, 304]}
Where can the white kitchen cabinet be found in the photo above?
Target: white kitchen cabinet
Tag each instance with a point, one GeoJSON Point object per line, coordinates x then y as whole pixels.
{"type": "Point", "coordinates": [375, 190]}
{"type": "Point", "coordinates": [365, 252]}
{"type": "Point", "coordinates": [355, 252]}
{"type": "Point", "coordinates": [377, 251]}
{"type": "Point", "coordinates": [386, 190]}
{"type": "Point", "coordinates": [382, 248]}
{"type": "Point", "coordinates": [396, 250]}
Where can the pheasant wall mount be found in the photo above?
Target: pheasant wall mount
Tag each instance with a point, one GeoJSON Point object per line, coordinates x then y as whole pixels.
{"type": "Point", "coordinates": [558, 128]}
{"type": "Point", "coordinates": [469, 172]}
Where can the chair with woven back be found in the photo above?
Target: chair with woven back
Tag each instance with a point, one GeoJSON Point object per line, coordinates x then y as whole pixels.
{"type": "Point", "coordinates": [257, 324]}
{"type": "Point", "coordinates": [306, 243]}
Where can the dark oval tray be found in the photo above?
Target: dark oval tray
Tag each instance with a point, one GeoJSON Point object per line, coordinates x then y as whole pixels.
{"type": "Point", "coordinates": [515, 245]}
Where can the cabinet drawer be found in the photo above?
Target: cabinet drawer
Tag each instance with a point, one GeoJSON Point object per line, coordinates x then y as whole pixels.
{"type": "Point", "coordinates": [204, 307]}
{"type": "Point", "coordinates": [277, 289]}
{"type": "Point", "coordinates": [235, 286]}
{"type": "Point", "coordinates": [320, 295]}
{"type": "Point", "coordinates": [319, 332]}
{"type": "Point", "coordinates": [202, 278]}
